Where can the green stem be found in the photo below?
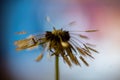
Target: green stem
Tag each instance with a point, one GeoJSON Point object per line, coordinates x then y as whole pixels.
{"type": "Point", "coordinates": [56, 67]}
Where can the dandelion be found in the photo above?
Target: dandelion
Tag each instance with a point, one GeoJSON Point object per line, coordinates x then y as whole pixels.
{"type": "Point", "coordinates": [60, 43]}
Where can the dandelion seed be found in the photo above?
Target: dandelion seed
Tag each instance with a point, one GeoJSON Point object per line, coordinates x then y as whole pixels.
{"type": "Point", "coordinates": [66, 59]}
{"type": "Point", "coordinates": [83, 60]}
{"type": "Point", "coordinates": [72, 23]}
{"type": "Point", "coordinates": [39, 57]}
{"type": "Point", "coordinates": [91, 30]}
{"type": "Point", "coordinates": [48, 19]}
{"type": "Point", "coordinates": [83, 36]}
{"type": "Point", "coordinates": [20, 33]}
{"type": "Point", "coordinates": [93, 50]}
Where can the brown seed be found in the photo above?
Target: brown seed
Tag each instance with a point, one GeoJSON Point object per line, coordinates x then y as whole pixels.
{"type": "Point", "coordinates": [93, 49]}
{"type": "Point", "coordinates": [39, 57]}
{"type": "Point", "coordinates": [91, 30]}
{"type": "Point", "coordinates": [83, 60]}
{"type": "Point", "coordinates": [83, 36]}
{"type": "Point", "coordinates": [81, 51]}
{"type": "Point", "coordinates": [67, 61]}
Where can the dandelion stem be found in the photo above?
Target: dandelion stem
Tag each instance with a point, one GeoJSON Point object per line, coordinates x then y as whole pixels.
{"type": "Point", "coordinates": [57, 67]}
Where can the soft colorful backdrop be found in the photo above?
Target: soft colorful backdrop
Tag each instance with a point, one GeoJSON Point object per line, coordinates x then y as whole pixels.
{"type": "Point", "coordinates": [29, 16]}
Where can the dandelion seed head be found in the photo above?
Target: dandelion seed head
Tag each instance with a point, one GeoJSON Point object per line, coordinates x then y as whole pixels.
{"type": "Point", "coordinates": [57, 35]}
{"type": "Point", "coordinates": [62, 43]}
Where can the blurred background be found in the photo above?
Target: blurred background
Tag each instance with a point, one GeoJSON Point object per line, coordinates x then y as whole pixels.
{"type": "Point", "coordinates": [29, 16]}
